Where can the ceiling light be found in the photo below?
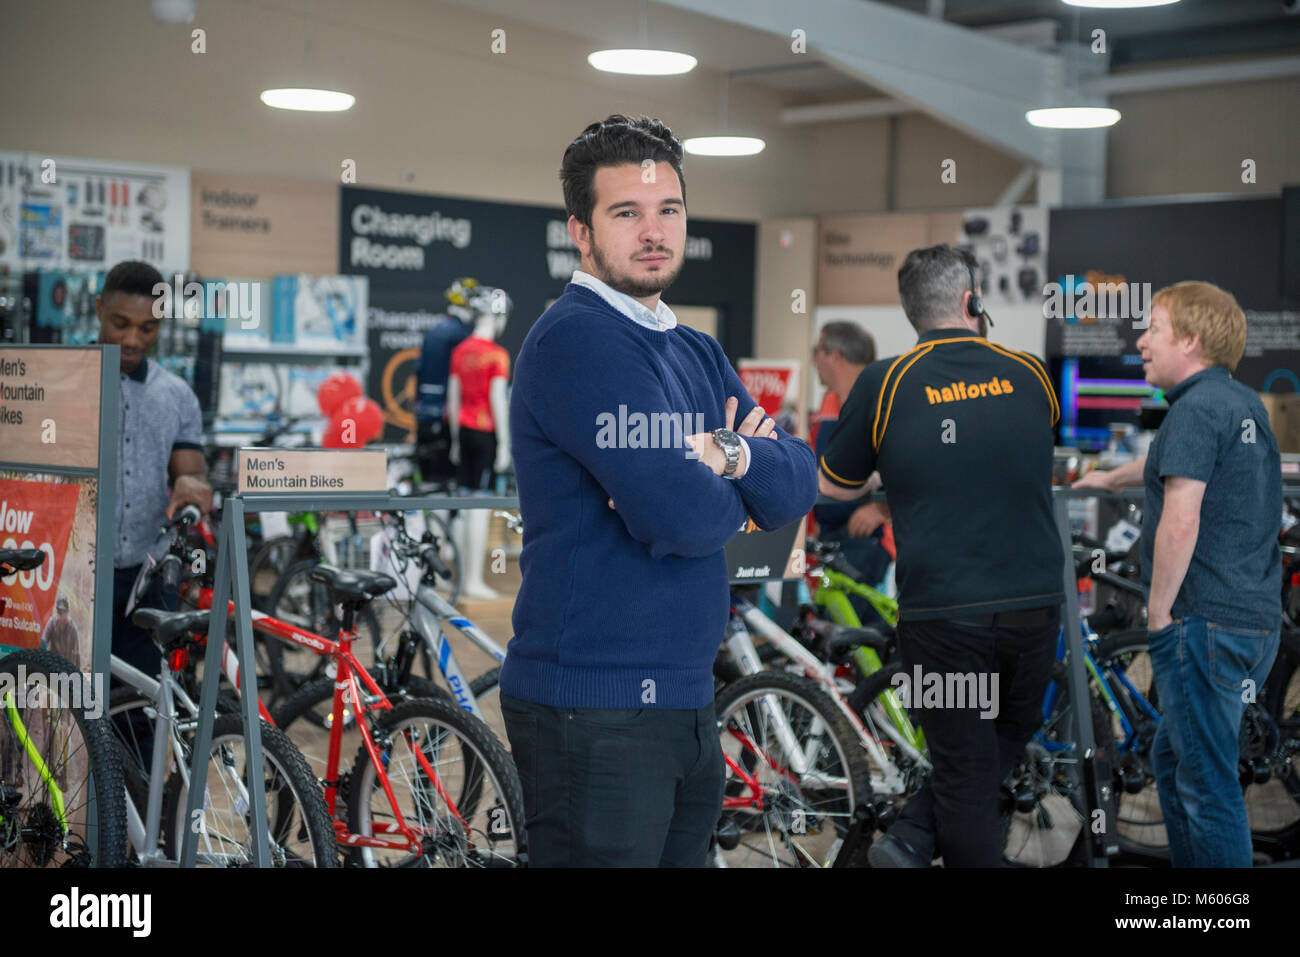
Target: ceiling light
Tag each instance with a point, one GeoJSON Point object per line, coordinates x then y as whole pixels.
{"type": "Point", "coordinates": [1073, 117]}
{"type": "Point", "coordinates": [173, 11]}
{"type": "Point", "coordinates": [723, 145]}
{"type": "Point", "coordinates": [1118, 4]}
{"type": "Point", "coordinates": [642, 62]}
{"type": "Point", "coordinates": [316, 101]}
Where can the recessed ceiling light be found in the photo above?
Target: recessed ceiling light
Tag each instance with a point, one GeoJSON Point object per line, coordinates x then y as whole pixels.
{"type": "Point", "coordinates": [315, 101]}
{"type": "Point", "coordinates": [1118, 4]}
{"type": "Point", "coordinates": [1073, 117]}
{"type": "Point", "coordinates": [642, 62]}
{"type": "Point", "coordinates": [723, 145]}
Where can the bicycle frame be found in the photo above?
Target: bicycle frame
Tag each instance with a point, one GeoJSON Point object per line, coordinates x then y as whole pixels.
{"type": "Point", "coordinates": [741, 646]}
{"type": "Point", "coordinates": [431, 614]}
{"type": "Point", "coordinates": [47, 778]}
{"type": "Point", "coordinates": [833, 591]}
{"type": "Point", "coordinates": [348, 682]}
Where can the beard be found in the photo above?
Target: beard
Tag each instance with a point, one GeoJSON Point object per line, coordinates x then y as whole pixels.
{"type": "Point", "coordinates": [630, 285]}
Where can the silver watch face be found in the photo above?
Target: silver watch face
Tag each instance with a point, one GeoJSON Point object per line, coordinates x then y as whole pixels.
{"type": "Point", "coordinates": [726, 437]}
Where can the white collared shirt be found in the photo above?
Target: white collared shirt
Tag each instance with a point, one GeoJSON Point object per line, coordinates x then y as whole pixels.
{"type": "Point", "coordinates": [661, 320]}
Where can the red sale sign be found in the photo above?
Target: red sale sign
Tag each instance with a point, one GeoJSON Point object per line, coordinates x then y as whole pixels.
{"type": "Point", "coordinates": [773, 383]}
{"type": "Point", "coordinates": [33, 515]}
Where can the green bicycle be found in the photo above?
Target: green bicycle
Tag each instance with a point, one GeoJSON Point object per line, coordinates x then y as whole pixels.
{"type": "Point", "coordinates": [56, 749]}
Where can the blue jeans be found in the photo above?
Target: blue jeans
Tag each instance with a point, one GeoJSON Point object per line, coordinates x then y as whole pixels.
{"type": "Point", "coordinates": [1201, 670]}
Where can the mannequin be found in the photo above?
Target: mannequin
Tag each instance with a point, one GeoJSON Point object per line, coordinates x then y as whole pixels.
{"type": "Point", "coordinates": [479, 420]}
{"type": "Point", "coordinates": [433, 438]}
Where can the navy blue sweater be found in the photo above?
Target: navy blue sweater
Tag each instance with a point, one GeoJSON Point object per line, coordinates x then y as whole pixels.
{"type": "Point", "coordinates": [626, 608]}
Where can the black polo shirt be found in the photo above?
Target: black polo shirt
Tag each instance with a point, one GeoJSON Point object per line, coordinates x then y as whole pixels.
{"type": "Point", "coordinates": [961, 431]}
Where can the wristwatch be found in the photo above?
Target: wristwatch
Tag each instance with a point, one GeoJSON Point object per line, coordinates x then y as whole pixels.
{"type": "Point", "coordinates": [729, 442]}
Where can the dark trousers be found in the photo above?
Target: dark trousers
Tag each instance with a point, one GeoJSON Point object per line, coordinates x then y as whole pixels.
{"type": "Point", "coordinates": [131, 643]}
{"type": "Point", "coordinates": [616, 788]}
{"type": "Point", "coordinates": [135, 646]}
{"type": "Point", "coordinates": [955, 814]}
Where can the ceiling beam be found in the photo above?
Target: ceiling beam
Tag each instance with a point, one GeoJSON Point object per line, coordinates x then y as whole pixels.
{"type": "Point", "coordinates": [1209, 75]}
{"type": "Point", "coordinates": [974, 83]}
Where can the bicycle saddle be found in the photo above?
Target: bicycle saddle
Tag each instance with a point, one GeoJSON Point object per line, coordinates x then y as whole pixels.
{"type": "Point", "coordinates": [351, 584]}
{"type": "Point", "coordinates": [170, 627]}
{"type": "Point", "coordinates": [834, 638]}
{"type": "Point", "coordinates": [20, 559]}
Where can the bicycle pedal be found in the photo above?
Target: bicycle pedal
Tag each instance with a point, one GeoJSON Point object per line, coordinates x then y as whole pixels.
{"type": "Point", "coordinates": [727, 834]}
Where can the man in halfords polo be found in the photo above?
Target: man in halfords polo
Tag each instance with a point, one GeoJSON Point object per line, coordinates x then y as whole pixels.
{"type": "Point", "coordinates": [1211, 561]}
{"type": "Point", "coordinates": [607, 690]}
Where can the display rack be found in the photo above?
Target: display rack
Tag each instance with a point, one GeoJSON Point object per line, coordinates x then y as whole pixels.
{"type": "Point", "coordinates": [231, 586]}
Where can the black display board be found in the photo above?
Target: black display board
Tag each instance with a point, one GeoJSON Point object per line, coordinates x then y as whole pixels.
{"type": "Point", "coordinates": [412, 245]}
{"type": "Point", "coordinates": [1234, 243]}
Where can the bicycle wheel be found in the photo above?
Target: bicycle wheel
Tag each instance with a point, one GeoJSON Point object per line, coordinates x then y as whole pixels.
{"type": "Point", "coordinates": [454, 784]}
{"type": "Point", "coordinates": [298, 600]}
{"type": "Point", "coordinates": [55, 750]}
{"type": "Point", "coordinates": [271, 560]}
{"type": "Point", "coordinates": [299, 828]}
{"type": "Point", "coordinates": [1269, 744]}
{"type": "Point", "coordinates": [1123, 660]}
{"type": "Point", "coordinates": [804, 818]}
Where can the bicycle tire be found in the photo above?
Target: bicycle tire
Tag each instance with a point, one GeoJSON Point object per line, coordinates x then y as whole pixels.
{"type": "Point", "coordinates": [872, 686]}
{"type": "Point", "coordinates": [1139, 825]}
{"type": "Point", "coordinates": [1279, 797]}
{"type": "Point", "coordinates": [303, 788]}
{"type": "Point", "coordinates": [849, 759]}
{"type": "Point", "coordinates": [107, 832]}
{"type": "Point", "coordinates": [274, 556]}
{"type": "Point", "coordinates": [486, 683]}
{"type": "Point", "coordinates": [487, 759]}
{"type": "Point", "coordinates": [274, 657]}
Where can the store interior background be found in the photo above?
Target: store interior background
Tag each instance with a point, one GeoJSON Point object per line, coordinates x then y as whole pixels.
{"type": "Point", "coordinates": [439, 112]}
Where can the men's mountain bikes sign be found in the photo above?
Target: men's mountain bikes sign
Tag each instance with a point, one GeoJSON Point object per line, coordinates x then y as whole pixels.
{"type": "Point", "coordinates": [47, 397]}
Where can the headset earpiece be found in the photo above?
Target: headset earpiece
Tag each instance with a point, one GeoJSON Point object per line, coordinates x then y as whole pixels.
{"type": "Point", "coordinates": [975, 305]}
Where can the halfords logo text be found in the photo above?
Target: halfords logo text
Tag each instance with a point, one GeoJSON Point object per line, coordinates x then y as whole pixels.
{"type": "Point", "coordinates": [958, 391]}
{"type": "Point", "coordinates": [40, 691]}
{"type": "Point", "coordinates": [658, 430]}
{"type": "Point", "coordinates": [373, 221]}
{"type": "Point", "coordinates": [76, 909]}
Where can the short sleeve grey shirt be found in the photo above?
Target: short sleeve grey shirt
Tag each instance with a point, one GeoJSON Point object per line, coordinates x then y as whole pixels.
{"type": "Point", "coordinates": [159, 414]}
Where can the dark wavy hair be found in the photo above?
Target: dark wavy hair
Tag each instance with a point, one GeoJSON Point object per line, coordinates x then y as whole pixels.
{"type": "Point", "coordinates": [131, 277]}
{"type": "Point", "coordinates": [614, 141]}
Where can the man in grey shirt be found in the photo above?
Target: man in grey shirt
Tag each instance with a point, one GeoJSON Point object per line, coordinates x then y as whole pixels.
{"type": "Point", "coordinates": [159, 443]}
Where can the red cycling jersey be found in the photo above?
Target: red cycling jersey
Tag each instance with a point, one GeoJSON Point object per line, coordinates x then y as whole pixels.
{"type": "Point", "coordinates": [476, 362]}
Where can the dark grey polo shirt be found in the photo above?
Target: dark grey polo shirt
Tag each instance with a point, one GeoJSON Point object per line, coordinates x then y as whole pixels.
{"type": "Point", "coordinates": [159, 414]}
{"type": "Point", "coordinates": [1217, 432]}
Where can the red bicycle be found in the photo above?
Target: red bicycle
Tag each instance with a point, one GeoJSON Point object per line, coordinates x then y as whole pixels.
{"type": "Point", "coordinates": [430, 784]}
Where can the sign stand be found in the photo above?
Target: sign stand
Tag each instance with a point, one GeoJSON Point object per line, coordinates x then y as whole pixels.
{"type": "Point", "coordinates": [231, 588]}
{"type": "Point", "coordinates": [63, 402]}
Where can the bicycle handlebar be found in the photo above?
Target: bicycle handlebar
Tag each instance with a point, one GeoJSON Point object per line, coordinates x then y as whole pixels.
{"type": "Point", "coordinates": [185, 518]}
